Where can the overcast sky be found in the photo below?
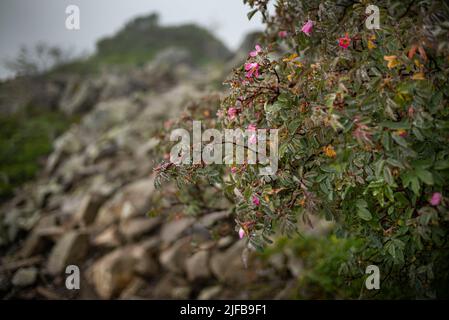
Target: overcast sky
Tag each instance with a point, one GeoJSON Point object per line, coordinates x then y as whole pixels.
{"type": "Point", "coordinates": [30, 21]}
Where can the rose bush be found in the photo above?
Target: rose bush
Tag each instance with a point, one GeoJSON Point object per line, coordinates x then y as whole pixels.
{"type": "Point", "coordinates": [363, 121]}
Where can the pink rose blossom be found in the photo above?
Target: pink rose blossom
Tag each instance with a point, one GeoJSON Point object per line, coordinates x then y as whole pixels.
{"type": "Point", "coordinates": [256, 52]}
{"type": "Point", "coordinates": [252, 69]}
{"type": "Point", "coordinates": [233, 169]}
{"type": "Point", "coordinates": [232, 113]}
{"type": "Point", "coordinates": [436, 199]}
{"type": "Point", "coordinates": [282, 34]}
{"type": "Point", "coordinates": [344, 42]}
{"type": "Point", "coordinates": [256, 201]}
{"type": "Point", "coordinates": [253, 139]}
{"type": "Point", "coordinates": [241, 233]}
{"type": "Point", "coordinates": [307, 28]}
{"type": "Point", "coordinates": [252, 127]}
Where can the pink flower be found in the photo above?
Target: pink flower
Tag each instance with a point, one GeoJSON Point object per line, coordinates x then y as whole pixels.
{"type": "Point", "coordinates": [252, 69]}
{"type": "Point", "coordinates": [220, 114]}
{"type": "Point", "coordinates": [282, 34]}
{"type": "Point", "coordinates": [232, 113]}
{"type": "Point", "coordinates": [253, 139]}
{"type": "Point", "coordinates": [256, 52]}
{"type": "Point", "coordinates": [307, 28]}
{"type": "Point", "coordinates": [241, 233]}
{"type": "Point", "coordinates": [233, 169]}
{"type": "Point", "coordinates": [256, 201]}
{"type": "Point", "coordinates": [436, 199]}
{"type": "Point", "coordinates": [344, 42]}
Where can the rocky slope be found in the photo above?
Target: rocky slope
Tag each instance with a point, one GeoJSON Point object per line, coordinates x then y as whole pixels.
{"type": "Point", "coordinates": [90, 205]}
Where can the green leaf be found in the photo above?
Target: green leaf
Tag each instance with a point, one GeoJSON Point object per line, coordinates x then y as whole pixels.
{"type": "Point", "coordinates": [395, 163]}
{"type": "Point", "coordinates": [404, 125]}
{"type": "Point", "coordinates": [388, 176]}
{"type": "Point", "coordinates": [360, 203]}
{"type": "Point", "coordinates": [364, 214]}
{"type": "Point", "coordinates": [251, 14]}
{"type": "Point", "coordinates": [294, 125]}
{"type": "Point", "coordinates": [400, 140]}
{"type": "Point", "coordinates": [425, 176]}
{"type": "Point", "coordinates": [379, 167]}
{"type": "Point", "coordinates": [441, 165]}
{"type": "Point", "coordinates": [415, 185]}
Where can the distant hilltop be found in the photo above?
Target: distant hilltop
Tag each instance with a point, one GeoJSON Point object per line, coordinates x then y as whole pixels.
{"type": "Point", "coordinates": [143, 38]}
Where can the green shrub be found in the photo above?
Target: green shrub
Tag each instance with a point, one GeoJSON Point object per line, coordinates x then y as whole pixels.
{"type": "Point", "coordinates": [363, 118]}
{"type": "Point", "coordinates": [24, 138]}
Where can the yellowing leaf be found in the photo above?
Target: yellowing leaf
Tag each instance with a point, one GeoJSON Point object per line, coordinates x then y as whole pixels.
{"type": "Point", "coordinates": [392, 61]}
{"type": "Point", "coordinates": [291, 57]}
{"type": "Point", "coordinates": [329, 151]}
{"type": "Point", "coordinates": [419, 76]}
{"type": "Point", "coordinates": [371, 44]}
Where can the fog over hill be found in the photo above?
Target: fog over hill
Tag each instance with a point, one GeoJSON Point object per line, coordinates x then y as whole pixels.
{"type": "Point", "coordinates": [24, 22]}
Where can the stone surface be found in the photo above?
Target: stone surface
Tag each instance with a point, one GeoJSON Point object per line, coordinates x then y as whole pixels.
{"type": "Point", "coordinates": [132, 201]}
{"type": "Point", "coordinates": [146, 263]}
{"type": "Point", "coordinates": [210, 293]}
{"type": "Point", "coordinates": [133, 229]}
{"type": "Point", "coordinates": [225, 242]}
{"type": "Point", "coordinates": [131, 292]}
{"type": "Point", "coordinates": [113, 273]}
{"type": "Point", "coordinates": [79, 97]}
{"type": "Point", "coordinates": [174, 258]}
{"type": "Point", "coordinates": [70, 249]}
{"type": "Point", "coordinates": [228, 266]}
{"type": "Point", "coordinates": [175, 229]}
{"type": "Point", "coordinates": [37, 241]}
{"type": "Point", "coordinates": [167, 286]}
{"type": "Point", "coordinates": [88, 209]}
{"type": "Point", "coordinates": [25, 277]}
{"type": "Point", "coordinates": [210, 219]}
{"type": "Point", "coordinates": [197, 266]}
{"type": "Point", "coordinates": [109, 237]}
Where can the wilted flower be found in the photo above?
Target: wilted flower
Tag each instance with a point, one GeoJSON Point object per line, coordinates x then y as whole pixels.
{"type": "Point", "coordinates": [256, 201]}
{"type": "Point", "coordinates": [392, 61]}
{"type": "Point", "coordinates": [307, 28]}
{"type": "Point", "coordinates": [256, 52]}
{"type": "Point", "coordinates": [290, 58]}
{"type": "Point", "coordinates": [344, 42]}
{"type": "Point", "coordinates": [371, 44]}
{"type": "Point", "coordinates": [252, 69]}
{"type": "Point", "coordinates": [293, 58]}
{"type": "Point", "coordinates": [436, 199]}
{"type": "Point", "coordinates": [362, 132]}
{"type": "Point", "coordinates": [232, 113]}
{"type": "Point", "coordinates": [282, 34]}
{"type": "Point", "coordinates": [330, 152]}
